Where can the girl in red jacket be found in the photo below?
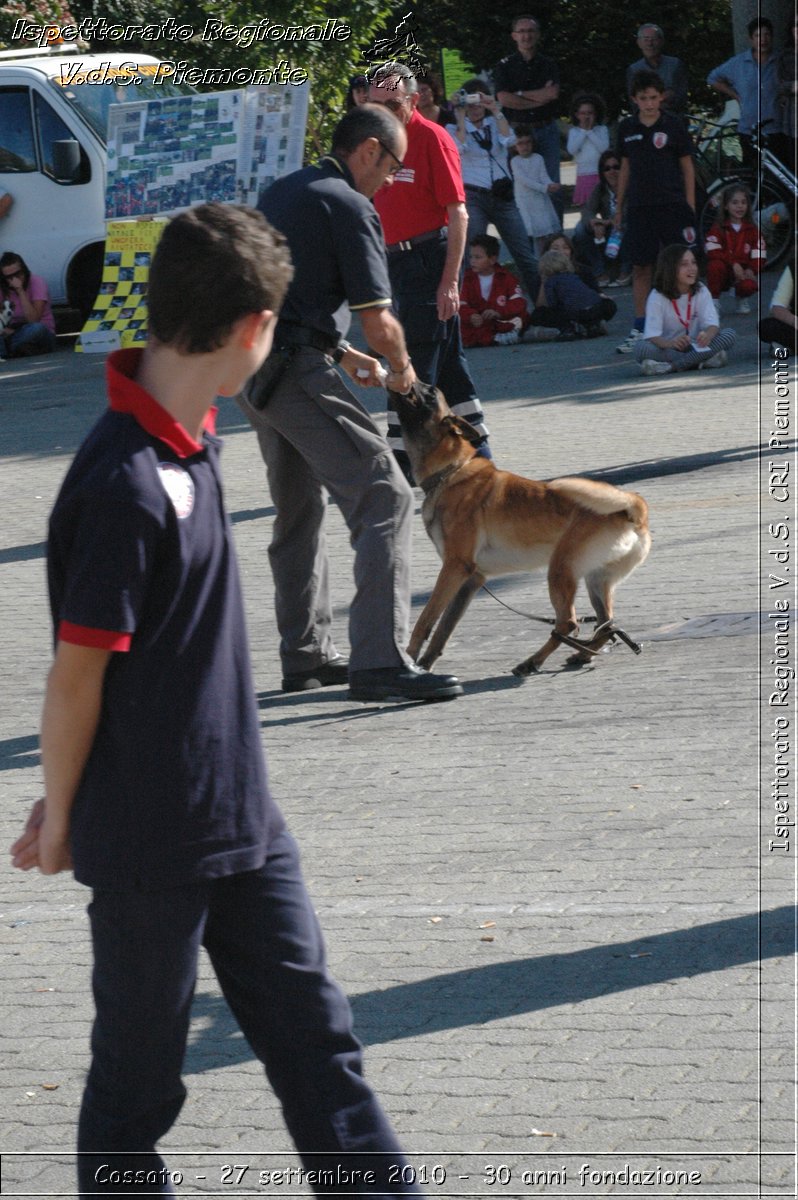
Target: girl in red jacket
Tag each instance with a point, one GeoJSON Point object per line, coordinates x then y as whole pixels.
{"type": "Point", "coordinates": [492, 306]}
{"type": "Point", "coordinates": [735, 249]}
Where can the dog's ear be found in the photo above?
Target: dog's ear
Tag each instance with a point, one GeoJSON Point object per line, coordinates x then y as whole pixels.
{"type": "Point", "coordinates": [466, 429]}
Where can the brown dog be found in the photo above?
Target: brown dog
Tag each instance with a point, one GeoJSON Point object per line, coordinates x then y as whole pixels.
{"type": "Point", "coordinates": [486, 522]}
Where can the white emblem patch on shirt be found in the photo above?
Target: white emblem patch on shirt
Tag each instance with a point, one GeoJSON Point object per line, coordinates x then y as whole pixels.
{"type": "Point", "coordinates": [660, 139]}
{"type": "Point", "coordinates": [179, 487]}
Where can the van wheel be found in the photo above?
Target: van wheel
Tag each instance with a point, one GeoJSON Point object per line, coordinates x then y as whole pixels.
{"type": "Point", "coordinates": [83, 279]}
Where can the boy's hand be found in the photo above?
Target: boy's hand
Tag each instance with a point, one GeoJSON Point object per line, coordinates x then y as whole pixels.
{"type": "Point", "coordinates": [42, 845]}
{"type": "Point", "coordinates": [737, 271]}
{"type": "Point", "coordinates": [490, 314]}
{"type": "Point", "coordinates": [682, 342]}
{"type": "Point", "coordinates": [476, 320]}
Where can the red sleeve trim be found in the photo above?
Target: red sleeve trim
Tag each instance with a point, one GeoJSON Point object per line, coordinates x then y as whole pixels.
{"type": "Point", "coordinates": [99, 639]}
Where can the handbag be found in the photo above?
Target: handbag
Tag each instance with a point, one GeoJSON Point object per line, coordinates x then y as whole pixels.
{"type": "Point", "coordinates": [502, 189]}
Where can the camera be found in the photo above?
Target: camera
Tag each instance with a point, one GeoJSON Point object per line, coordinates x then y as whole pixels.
{"type": "Point", "coordinates": [463, 97]}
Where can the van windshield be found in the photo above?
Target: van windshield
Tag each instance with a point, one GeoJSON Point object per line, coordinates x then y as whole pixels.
{"type": "Point", "coordinates": [93, 92]}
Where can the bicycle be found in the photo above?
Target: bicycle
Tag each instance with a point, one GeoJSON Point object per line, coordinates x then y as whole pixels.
{"type": "Point", "coordinates": [773, 190]}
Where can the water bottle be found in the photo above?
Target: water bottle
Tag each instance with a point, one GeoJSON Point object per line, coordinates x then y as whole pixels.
{"type": "Point", "coordinates": [613, 244]}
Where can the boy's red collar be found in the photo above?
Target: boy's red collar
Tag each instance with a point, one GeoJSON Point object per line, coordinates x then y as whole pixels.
{"type": "Point", "coordinates": [125, 395]}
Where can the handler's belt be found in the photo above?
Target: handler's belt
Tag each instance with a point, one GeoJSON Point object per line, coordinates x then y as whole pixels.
{"type": "Point", "coordinates": [289, 334]}
{"type": "Point", "coordinates": [434, 235]}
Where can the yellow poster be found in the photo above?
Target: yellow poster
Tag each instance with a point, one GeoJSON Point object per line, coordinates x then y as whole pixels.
{"type": "Point", "coordinates": [119, 316]}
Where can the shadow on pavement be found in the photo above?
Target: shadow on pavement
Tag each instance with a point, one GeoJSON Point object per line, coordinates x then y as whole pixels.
{"type": "Point", "coordinates": [504, 990]}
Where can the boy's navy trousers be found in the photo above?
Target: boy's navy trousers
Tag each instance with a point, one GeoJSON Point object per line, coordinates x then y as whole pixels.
{"type": "Point", "coordinates": [264, 942]}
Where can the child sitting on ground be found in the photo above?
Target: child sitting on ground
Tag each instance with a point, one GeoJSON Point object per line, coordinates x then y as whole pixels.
{"type": "Point", "coordinates": [572, 306]}
{"type": "Point", "coordinates": [735, 248]}
{"type": "Point", "coordinates": [492, 306]}
{"type": "Point", "coordinates": [682, 330]}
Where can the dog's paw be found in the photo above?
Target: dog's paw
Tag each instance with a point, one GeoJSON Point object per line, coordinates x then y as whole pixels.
{"type": "Point", "coordinates": [525, 668]}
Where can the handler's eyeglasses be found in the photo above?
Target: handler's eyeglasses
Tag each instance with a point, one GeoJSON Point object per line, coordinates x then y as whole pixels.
{"type": "Point", "coordinates": [399, 164]}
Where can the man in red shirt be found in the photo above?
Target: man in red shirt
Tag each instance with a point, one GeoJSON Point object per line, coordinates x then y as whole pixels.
{"type": "Point", "coordinates": [424, 220]}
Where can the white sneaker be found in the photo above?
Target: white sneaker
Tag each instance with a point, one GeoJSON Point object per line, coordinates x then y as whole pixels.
{"type": "Point", "coordinates": [650, 366]}
{"type": "Point", "coordinates": [717, 360]}
{"type": "Point", "coordinates": [510, 338]}
{"type": "Point", "coordinates": [627, 346]}
{"type": "Point", "coordinates": [743, 308]}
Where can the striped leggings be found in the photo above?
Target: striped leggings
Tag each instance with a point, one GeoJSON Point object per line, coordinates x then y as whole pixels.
{"type": "Point", "coordinates": [684, 360]}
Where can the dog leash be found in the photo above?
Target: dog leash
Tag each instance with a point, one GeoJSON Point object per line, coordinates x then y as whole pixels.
{"type": "Point", "coordinates": [575, 643]}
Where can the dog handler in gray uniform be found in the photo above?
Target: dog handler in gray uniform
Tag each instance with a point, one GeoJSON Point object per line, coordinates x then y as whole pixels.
{"type": "Point", "coordinates": [315, 436]}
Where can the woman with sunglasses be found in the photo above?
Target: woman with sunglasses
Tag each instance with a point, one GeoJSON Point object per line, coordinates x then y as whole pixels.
{"type": "Point", "coordinates": [593, 231]}
{"type": "Point", "coordinates": [31, 327]}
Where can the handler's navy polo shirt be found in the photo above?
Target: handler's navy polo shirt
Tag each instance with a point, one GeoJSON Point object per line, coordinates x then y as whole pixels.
{"type": "Point", "coordinates": [141, 561]}
{"type": "Point", "coordinates": [654, 151]}
{"type": "Point", "coordinates": [336, 244]}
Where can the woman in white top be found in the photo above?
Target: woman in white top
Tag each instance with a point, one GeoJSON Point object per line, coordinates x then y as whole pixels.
{"type": "Point", "coordinates": [682, 330]}
{"type": "Point", "coordinates": [587, 140]}
{"type": "Point", "coordinates": [483, 137]}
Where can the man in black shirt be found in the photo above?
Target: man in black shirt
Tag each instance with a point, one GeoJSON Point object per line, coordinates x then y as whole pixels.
{"type": "Point", "coordinates": [528, 88]}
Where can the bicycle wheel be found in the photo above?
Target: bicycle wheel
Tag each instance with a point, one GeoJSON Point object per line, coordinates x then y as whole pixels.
{"type": "Point", "coordinates": [776, 221]}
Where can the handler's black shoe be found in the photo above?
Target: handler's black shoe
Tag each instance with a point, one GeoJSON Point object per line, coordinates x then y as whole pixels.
{"type": "Point", "coordinates": [334, 673]}
{"type": "Point", "coordinates": [402, 683]}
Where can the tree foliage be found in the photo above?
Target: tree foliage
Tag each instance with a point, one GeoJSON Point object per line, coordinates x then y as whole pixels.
{"type": "Point", "coordinates": [592, 49]}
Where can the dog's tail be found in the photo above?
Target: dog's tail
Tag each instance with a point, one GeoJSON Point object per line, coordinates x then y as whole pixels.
{"type": "Point", "coordinates": [603, 498]}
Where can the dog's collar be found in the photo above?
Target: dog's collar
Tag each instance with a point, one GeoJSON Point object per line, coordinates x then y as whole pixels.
{"type": "Point", "coordinates": [435, 480]}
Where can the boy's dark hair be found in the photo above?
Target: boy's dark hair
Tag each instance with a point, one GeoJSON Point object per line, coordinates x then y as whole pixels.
{"type": "Point", "coordinates": [213, 265]}
{"type": "Point", "coordinates": [588, 98]}
{"type": "Point", "coordinates": [478, 85]}
{"type": "Point", "coordinates": [7, 260]}
{"type": "Point", "coordinates": [488, 242]}
{"type": "Point", "coordinates": [758, 23]}
{"type": "Point", "coordinates": [667, 269]}
{"type": "Point", "coordinates": [366, 121]}
{"type": "Point", "coordinates": [643, 80]}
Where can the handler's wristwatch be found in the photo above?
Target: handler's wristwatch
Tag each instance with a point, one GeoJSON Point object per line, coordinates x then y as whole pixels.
{"type": "Point", "coordinates": [339, 351]}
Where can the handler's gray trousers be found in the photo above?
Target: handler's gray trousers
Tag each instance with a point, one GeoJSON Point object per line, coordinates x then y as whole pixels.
{"type": "Point", "coordinates": [316, 438]}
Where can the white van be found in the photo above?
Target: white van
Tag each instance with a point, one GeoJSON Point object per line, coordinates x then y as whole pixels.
{"type": "Point", "coordinates": [53, 123]}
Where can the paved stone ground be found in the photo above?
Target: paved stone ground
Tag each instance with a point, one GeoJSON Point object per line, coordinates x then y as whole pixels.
{"type": "Point", "coordinates": [543, 898]}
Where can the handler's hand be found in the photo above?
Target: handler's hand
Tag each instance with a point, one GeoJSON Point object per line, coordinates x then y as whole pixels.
{"type": "Point", "coordinates": [354, 361]}
{"type": "Point", "coordinates": [682, 342]}
{"type": "Point", "coordinates": [42, 845]}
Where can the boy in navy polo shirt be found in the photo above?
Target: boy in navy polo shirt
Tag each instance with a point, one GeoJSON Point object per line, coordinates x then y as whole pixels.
{"type": "Point", "coordinates": [657, 186]}
{"type": "Point", "coordinates": [155, 781]}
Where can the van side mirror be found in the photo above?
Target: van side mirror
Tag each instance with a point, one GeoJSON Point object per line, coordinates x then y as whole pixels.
{"type": "Point", "coordinates": [66, 160]}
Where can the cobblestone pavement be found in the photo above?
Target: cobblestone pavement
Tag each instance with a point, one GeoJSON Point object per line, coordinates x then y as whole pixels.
{"type": "Point", "coordinates": [544, 898]}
